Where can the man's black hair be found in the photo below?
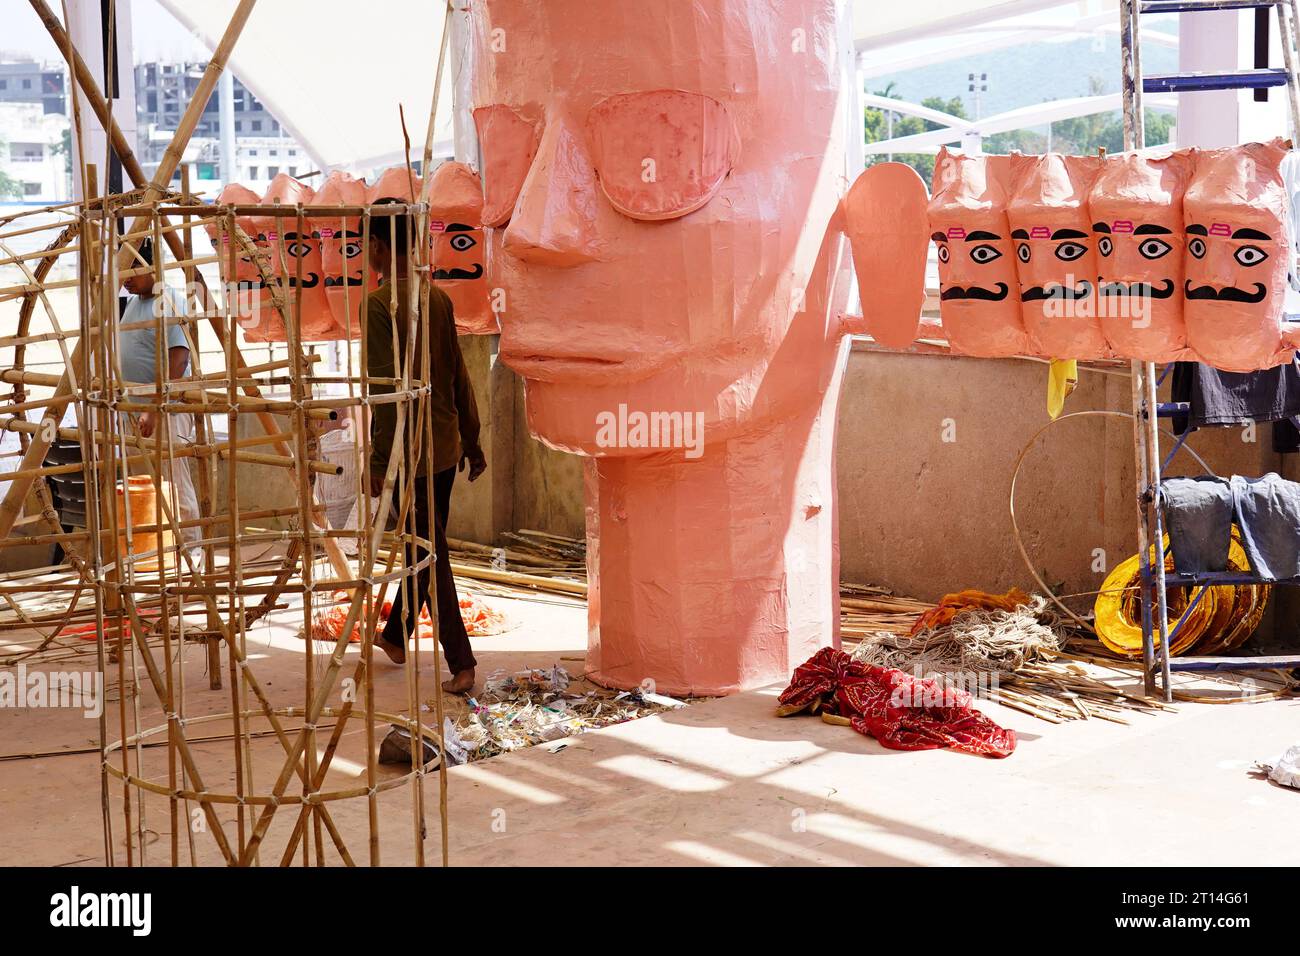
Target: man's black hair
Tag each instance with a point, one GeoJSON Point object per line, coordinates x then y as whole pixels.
{"type": "Point", "coordinates": [144, 252]}
{"type": "Point", "coordinates": [394, 231]}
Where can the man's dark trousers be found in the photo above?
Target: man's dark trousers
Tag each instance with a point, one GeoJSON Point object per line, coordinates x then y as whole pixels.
{"type": "Point", "coordinates": [451, 629]}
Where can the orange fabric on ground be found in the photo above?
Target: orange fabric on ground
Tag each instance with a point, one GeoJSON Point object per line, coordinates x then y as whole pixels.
{"type": "Point", "coordinates": [952, 604]}
{"type": "Point", "coordinates": [480, 620]}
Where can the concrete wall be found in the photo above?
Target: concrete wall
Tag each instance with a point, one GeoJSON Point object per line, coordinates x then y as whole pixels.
{"type": "Point", "coordinates": [927, 447]}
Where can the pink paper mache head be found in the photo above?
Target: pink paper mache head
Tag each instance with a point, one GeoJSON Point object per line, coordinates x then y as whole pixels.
{"type": "Point", "coordinates": [460, 249]}
{"type": "Point", "coordinates": [1137, 211]}
{"type": "Point", "coordinates": [979, 297]}
{"type": "Point", "coordinates": [1238, 246]}
{"type": "Point", "coordinates": [661, 185]}
{"type": "Point", "coordinates": [1056, 258]}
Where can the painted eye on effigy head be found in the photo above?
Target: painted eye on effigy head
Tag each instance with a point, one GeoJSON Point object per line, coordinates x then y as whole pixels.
{"type": "Point", "coordinates": [463, 243]}
{"type": "Point", "coordinates": [984, 254]}
{"type": "Point", "coordinates": [1069, 251]}
{"type": "Point", "coordinates": [1250, 255]}
{"type": "Point", "coordinates": [1197, 248]}
{"type": "Point", "coordinates": [1105, 246]}
{"type": "Point", "coordinates": [1023, 252]}
{"type": "Point", "coordinates": [1154, 248]}
{"type": "Point", "coordinates": [943, 252]}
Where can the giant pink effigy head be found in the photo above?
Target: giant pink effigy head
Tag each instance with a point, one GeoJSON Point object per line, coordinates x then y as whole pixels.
{"type": "Point", "coordinates": [662, 180]}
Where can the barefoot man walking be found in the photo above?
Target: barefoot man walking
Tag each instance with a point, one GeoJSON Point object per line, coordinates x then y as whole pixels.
{"type": "Point", "coordinates": [455, 420]}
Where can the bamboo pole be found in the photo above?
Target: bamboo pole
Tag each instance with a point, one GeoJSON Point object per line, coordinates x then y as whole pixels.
{"type": "Point", "coordinates": [17, 491]}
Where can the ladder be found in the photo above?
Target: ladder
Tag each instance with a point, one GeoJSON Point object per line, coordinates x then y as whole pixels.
{"type": "Point", "coordinates": [1147, 409]}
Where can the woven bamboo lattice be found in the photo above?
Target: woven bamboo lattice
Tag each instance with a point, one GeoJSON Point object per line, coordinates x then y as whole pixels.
{"type": "Point", "coordinates": [153, 599]}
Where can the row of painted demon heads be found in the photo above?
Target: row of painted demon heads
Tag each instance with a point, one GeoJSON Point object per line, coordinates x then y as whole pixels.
{"type": "Point", "coordinates": [1182, 256]}
{"type": "Point", "coordinates": [324, 259]}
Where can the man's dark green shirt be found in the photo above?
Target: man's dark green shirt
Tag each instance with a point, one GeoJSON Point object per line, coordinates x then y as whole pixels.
{"type": "Point", "coordinates": [451, 396]}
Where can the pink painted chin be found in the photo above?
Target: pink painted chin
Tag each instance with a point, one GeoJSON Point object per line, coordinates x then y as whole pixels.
{"type": "Point", "coordinates": [581, 370]}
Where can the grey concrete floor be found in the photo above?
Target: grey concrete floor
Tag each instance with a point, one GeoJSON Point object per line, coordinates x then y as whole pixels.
{"type": "Point", "coordinates": [721, 782]}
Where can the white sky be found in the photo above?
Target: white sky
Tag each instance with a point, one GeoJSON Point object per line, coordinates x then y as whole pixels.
{"type": "Point", "coordinates": [156, 33]}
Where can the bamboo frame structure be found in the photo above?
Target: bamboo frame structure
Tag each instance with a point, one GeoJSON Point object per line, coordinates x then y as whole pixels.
{"type": "Point", "coordinates": [149, 603]}
{"type": "Point", "coordinates": [149, 594]}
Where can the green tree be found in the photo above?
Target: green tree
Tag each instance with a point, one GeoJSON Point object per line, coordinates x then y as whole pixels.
{"type": "Point", "coordinates": [1083, 134]}
{"type": "Point", "coordinates": [1078, 136]}
{"type": "Point", "coordinates": [877, 127]}
{"type": "Point", "coordinates": [9, 187]}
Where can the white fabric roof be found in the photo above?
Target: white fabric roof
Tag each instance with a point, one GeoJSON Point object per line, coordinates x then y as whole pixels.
{"type": "Point", "coordinates": [881, 23]}
{"type": "Point", "coordinates": [334, 71]}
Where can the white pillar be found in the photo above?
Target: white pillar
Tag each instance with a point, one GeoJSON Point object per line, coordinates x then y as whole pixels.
{"type": "Point", "coordinates": [88, 33]}
{"type": "Point", "coordinates": [1215, 43]}
{"type": "Point", "coordinates": [464, 135]}
{"type": "Point", "coordinates": [226, 104]}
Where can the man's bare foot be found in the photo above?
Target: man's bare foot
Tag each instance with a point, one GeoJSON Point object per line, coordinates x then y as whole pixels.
{"type": "Point", "coordinates": [395, 654]}
{"type": "Point", "coordinates": [462, 682]}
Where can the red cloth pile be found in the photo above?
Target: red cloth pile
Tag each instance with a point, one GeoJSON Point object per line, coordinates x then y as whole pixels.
{"type": "Point", "coordinates": [901, 711]}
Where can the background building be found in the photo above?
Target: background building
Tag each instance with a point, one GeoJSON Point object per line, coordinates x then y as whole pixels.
{"type": "Point", "coordinates": [33, 160]}
{"type": "Point", "coordinates": [27, 81]}
{"type": "Point", "coordinates": [262, 148]}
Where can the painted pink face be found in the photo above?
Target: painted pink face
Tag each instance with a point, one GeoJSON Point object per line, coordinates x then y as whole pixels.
{"type": "Point", "coordinates": [979, 290]}
{"type": "Point", "coordinates": [459, 245]}
{"type": "Point", "coordinates": [660, 186]}
{"type": "Point", "coordinates": [341, 252]}
{"type": "Point", "coordinates": [1233, 263]}
{"type": "Point", "coordinates": [1235, 214]}
{"type": "Point", "coordinates": [976, 260]}
{"type": "Point", "coordinates": [1140, 260]}
{"type": "Point", "coordinates": [1056, 262]}
{"type": "Point", "coordinates": [243, 274]}
{"type": "Point", "coordinates": [1056, 254]}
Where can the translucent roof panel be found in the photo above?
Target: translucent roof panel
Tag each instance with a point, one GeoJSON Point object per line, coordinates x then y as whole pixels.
{"type": "Point", "coordinates": [334, 71]}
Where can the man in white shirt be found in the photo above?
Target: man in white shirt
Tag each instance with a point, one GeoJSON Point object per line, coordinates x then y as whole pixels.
{"type": "Point", "coordinates": [137, 347]}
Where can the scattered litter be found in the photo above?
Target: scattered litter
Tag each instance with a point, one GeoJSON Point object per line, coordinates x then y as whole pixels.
{"type": "Point", "coordinates": [543, 705]}
{"type": "Point", "coordinates": [1285, 769]}
{"type": "Point", "coordinates": [457, 751]}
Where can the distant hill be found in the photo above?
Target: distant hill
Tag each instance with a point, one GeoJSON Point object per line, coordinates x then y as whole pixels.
{"type": "Point", "coordinates": [1027, 74]}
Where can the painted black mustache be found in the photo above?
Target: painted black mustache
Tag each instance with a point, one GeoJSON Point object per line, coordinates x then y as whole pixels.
{"type": "Point", "coordinates": [309, 281]}
{"type": "Point", "coordinates": [1226, 294]}
{"type": "Point", "coordinates": [1039, 293]}
{"type": "Point", "coordinates": [475, 273]}
{"type": "Point", "coordinates": [1162, 291]}
{"type": "Point", "coordinates": [974, 292]}
{"type": "Point", "coordinates": [332, 281]}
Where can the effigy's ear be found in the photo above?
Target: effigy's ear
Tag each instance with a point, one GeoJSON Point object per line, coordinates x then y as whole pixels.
{"type": "Point", "coordinates": [887, 225]}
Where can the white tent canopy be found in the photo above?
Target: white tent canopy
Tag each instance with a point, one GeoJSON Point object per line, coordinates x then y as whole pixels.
{"type": "Point", "coordinates": [878, 23]}
{"type": "Point", "coordinates": [334, 71]}
{"type": "Point", "coordinates": [314, 63]}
